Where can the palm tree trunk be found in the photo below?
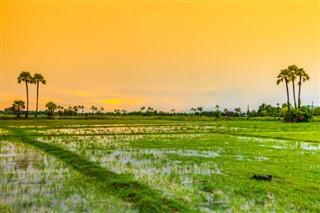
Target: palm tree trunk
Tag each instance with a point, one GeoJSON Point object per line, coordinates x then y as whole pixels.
{"type": "Point", "coordinates": [27, 99]}
{"type": "Point", "coordinates": [299, 100]}
{"type": "Point", "coordinates": [294, 95]}
{"type": "Point", "coordinates": [37, 100]}
{"type": "Point", "coordinates": [19, 110]}
{"type": "Point", "coordinates": [288, 98]}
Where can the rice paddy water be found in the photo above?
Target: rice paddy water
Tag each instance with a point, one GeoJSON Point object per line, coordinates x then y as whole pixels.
{"type": "Point", "coordinates": [199, 166]}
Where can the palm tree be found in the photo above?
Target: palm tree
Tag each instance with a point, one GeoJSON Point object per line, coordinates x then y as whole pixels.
{"type": "Point", "coordinates": [278, 109]}
{"type": "Point", "coordinates": [82, 108]}
{"type": "Point", "coordinates": [200, 109]}
{"type": "Point", "coordinates": [217, 107]}
{"type": "Point", "coordinates": [292, 77]}
{"type": "Point", "coordinates": [26, 77]}
{"type": "Point", "coordinates": [303, 76]}
{"type": "Point", "coordinates": [75, 110]}
{"type": "Point", "coordinates": [38, 78]}
{"type": "Point", "coordinates": [284, 77]}
{"type": "Point", "coordinates": [60, 110]}
{"type": "Point", "coordinates": [93, 108]}
{"type": "Point", "coordinates": [51, 108]}
{"type": "Point", "coordinates": [117, 111]}
{"type": "Point", "coordinates": [17, 107]}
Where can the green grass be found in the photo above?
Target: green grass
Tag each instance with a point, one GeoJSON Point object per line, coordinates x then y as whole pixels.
{"type": "Point", "coordinates": [162, 165]}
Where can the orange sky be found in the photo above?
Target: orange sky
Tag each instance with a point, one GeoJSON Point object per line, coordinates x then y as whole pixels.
{"type": "Point", "coordinates": [167, 55]}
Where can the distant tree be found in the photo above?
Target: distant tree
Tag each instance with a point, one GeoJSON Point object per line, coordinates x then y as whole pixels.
{"type": "Point", "coordinates": [51, 107]}
{"type": "Point", "coordinates": [316, 111]}
{"type": "Point", "coordinates": [237, 111]}
{"type": "Point", "coordinates": [262, 110]}
{"type": "Point", "coordinates": [303, 76]}
{"type": "Point", "coordinates": [81, 109]}
{"type": "Point", "coordinates": [217, 107]}
{"type": "Point", "coordinates": [278, 109]}
{"type": "Point", "coordinates": [253, 113]}
{"type": "Point", "coordinates": [17, 107]}
{"type": "Point", "coordinates": [69, 111]}
{"type": "Point", "coordinates": [60, 110]}
{"type": "Point", "coordinates": [172, 111]}
{"type": "Point", "coordinates": [101, 109]}
{"type": "Point", "coordinates": [117, 112]}
{"type": "Point", "coordinates": [200, 109]}
{"type": "Point", "coordinates": [75, 110]}
{"type": "Point", "coordinates": [248, 112]}
{"type": "Point", "coordinates": [150, 111]}
{"type": "Point", "coordinates": [193, 110]}
{"type": "Point", "coordinates": [38, 78]}
{"type": "Point", "coordinates": [26, 77]}
{"type": "Point", "coordinates": [284, 76]}
{"type": "Point", "coordinates": [218, 113]}
{"type": "Point", "coordinates": [93, 108]}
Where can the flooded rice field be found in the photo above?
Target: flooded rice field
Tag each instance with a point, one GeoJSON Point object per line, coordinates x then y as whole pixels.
{"type": "Point", "coordinates": [32, 181]}
{"type": "Point", "coordinates": [208, 167]}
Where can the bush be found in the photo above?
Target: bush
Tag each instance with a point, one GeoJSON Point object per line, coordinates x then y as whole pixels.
{"type": "Point", "coordinates": [316, 111]}
{"type": "Point", "coordinates": [302, 114]}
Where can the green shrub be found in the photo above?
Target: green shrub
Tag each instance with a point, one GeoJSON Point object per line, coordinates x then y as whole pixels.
{"type": "Point", "coordinates": [316, 111]}
{"type": "Point", "coordinates": [302, 114]}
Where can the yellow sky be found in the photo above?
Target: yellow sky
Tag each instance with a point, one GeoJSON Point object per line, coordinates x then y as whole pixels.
{"type": "Point", "coordinates": [172, 54]}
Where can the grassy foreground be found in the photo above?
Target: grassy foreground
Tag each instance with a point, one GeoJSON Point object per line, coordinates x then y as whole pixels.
{"type": "Point", "coordinates": [184, 166]}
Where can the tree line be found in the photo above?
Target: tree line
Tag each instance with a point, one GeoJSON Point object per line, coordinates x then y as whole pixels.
{"type": "Point", "coordinates": [264, 110]}
{"type": "Point", "coordinates": [291, 75]}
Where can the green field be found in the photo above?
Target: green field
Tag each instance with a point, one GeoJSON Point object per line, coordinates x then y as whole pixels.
{"type": "Point", "coordinates": [157, 165]}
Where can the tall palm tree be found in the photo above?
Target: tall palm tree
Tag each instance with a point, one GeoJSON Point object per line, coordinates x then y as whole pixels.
{"type": "Point", "coordinates": [303, 76]}
{"type": "Point", "coordinates": [38, 78]}
{"type": "Point", "coordinates": [26, 77]}
{"type": "Point", "coordinates": [284, 77]}
{"type": "Point", "coordinates": [292, 77]}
